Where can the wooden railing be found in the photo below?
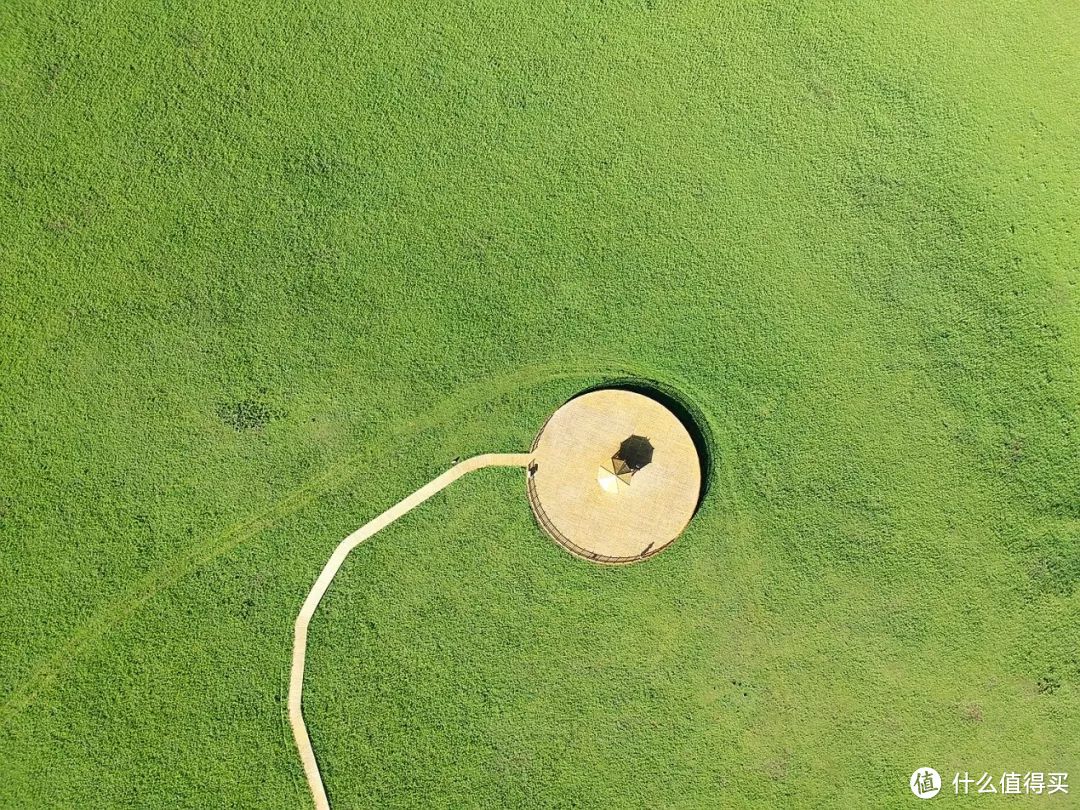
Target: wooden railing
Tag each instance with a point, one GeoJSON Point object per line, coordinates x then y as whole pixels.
{"type": "Point", "coordinates": [564, 541]}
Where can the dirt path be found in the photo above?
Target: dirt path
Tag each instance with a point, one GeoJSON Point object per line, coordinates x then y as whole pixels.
{"type": "Point", "coordinates": [296, 678]}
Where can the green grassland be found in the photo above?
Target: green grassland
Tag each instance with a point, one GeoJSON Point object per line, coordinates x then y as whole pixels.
{"type": "Point", "coordinates": [265, 268]}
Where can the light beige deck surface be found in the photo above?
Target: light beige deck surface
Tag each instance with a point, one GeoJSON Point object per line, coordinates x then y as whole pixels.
{"type": "Point", "coordinates": [639, 518]}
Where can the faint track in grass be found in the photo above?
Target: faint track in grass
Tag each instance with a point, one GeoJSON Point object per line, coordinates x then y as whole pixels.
{"type": "Point", "coordinates": [233, 536]}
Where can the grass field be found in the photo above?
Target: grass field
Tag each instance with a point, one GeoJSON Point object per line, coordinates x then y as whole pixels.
{"type": "Point", "coordinates": [265, 268]}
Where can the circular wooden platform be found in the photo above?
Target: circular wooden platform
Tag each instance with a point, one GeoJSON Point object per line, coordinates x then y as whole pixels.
{"type": "Point", "coordinates": [579, 496]}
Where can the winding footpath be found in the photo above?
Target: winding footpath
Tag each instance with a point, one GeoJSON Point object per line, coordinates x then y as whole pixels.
{"type": "Point", "coordinates": [300, 631]}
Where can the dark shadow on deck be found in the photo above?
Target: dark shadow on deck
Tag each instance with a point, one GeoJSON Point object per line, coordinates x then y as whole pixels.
{"type": "Point", "coordinates": [692, 419]}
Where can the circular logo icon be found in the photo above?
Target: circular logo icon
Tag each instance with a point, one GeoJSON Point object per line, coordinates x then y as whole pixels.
{"type": "Point", "coordinates": [925, 783]}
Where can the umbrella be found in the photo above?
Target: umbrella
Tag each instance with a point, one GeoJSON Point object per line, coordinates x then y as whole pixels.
{"type": "Point", "coordinates": [634, 453]}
